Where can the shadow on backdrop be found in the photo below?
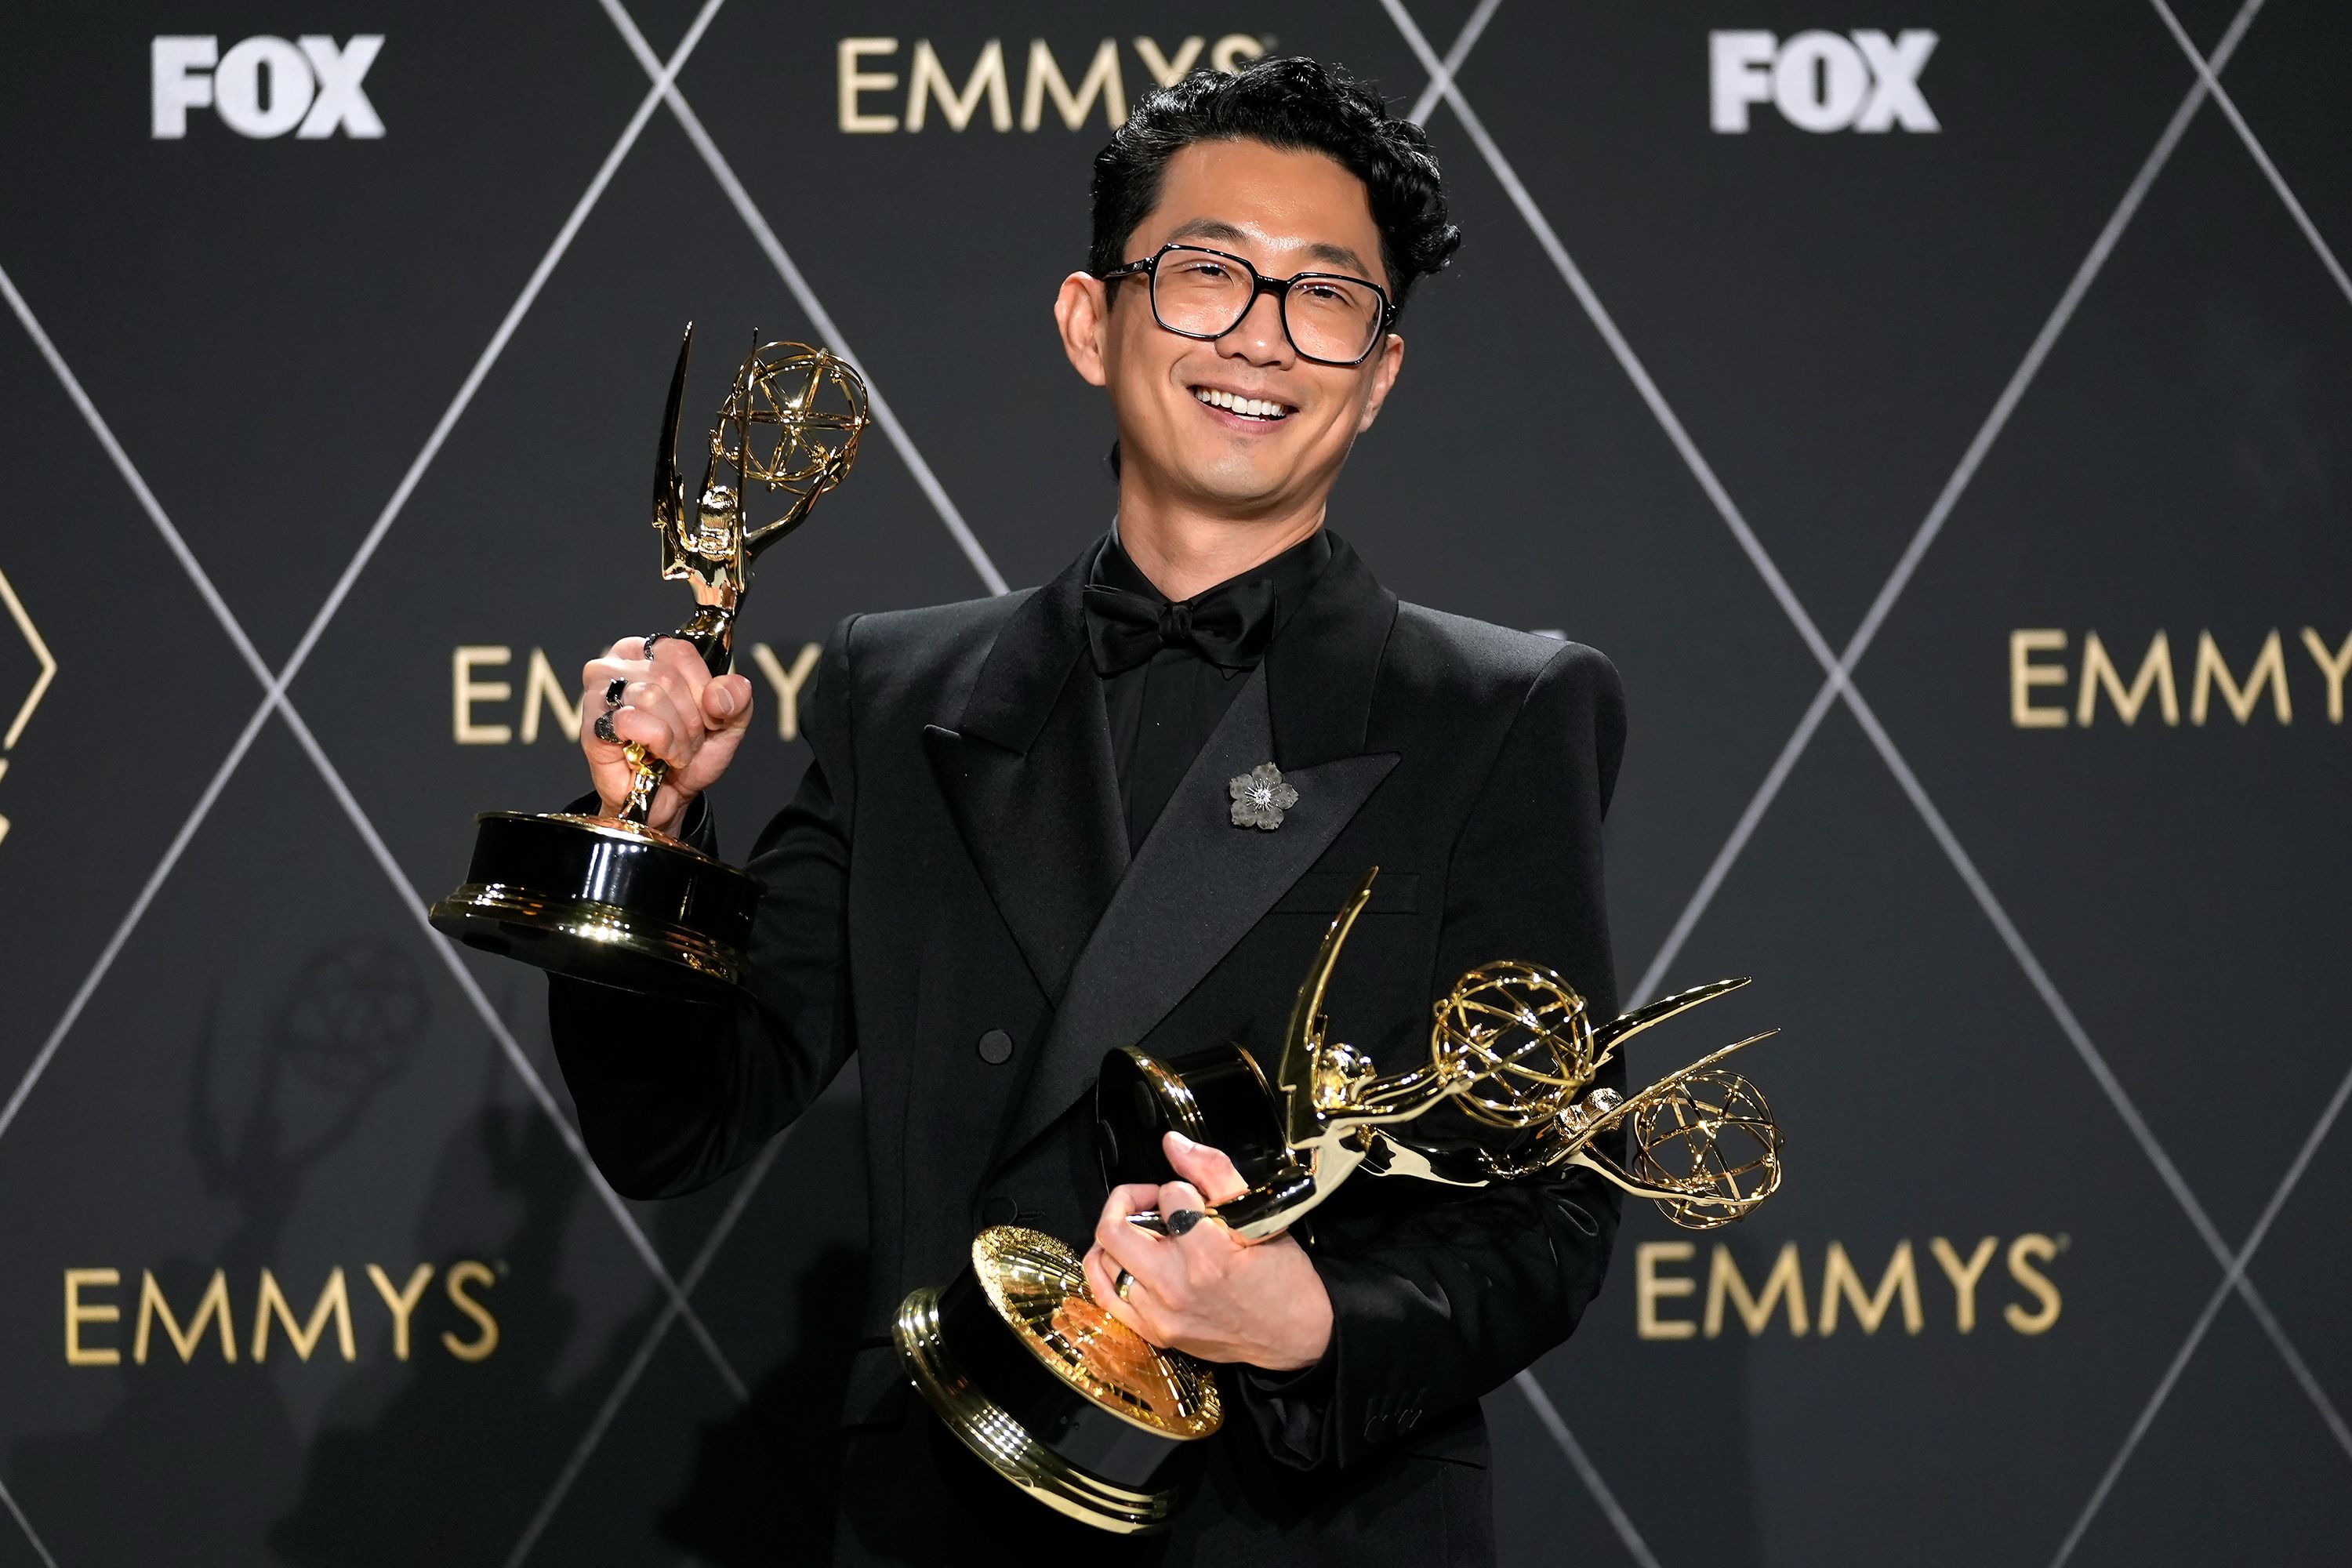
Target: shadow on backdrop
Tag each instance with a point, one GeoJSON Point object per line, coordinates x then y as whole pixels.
{"type": "Point", "coordinates": [348, 1022]}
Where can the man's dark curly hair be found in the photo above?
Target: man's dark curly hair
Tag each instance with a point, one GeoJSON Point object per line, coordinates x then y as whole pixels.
{"type": "Point", "coordinates": [1289, 102]}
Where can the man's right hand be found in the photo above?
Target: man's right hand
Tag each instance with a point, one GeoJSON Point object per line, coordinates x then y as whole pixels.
{"type": "Point", "coordinates": [671, 706]}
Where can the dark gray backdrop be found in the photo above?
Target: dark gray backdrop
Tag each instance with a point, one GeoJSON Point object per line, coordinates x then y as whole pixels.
{"type": "Point", "coordinates": [312, 414]}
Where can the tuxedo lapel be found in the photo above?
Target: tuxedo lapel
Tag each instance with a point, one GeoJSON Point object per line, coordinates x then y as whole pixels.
{"type": "Point", "coordinates": [1028, 776]}
{"type": "Point", "coordinates": [1199, 884]}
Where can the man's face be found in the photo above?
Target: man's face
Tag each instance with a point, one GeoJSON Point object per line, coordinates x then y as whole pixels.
{"type": "Point", "coordinates": [1284, 212]}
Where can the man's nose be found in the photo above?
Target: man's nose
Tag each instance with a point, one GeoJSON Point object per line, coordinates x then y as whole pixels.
{"type": "Point", "coordinates": [1258, 336]}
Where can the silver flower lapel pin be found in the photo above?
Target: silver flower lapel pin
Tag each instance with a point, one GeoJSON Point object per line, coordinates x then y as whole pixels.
{"type": "Point", "coordinates": [1260, 797]}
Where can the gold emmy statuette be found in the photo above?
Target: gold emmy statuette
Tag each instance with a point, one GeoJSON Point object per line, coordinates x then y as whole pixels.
{"type": "Point", "coordinates": [608, 898]}
{"type": "Point", "coordinates": [1081, 1412]}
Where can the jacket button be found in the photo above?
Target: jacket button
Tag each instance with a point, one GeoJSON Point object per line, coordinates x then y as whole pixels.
{"type": "Point", "coordinates": [999, 1210]}
{"type": "Point", "coordinates": [996, 1047]}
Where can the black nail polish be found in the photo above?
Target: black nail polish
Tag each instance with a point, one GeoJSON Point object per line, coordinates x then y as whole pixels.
{"type": "Point", "coordinates": [1181, 1221]}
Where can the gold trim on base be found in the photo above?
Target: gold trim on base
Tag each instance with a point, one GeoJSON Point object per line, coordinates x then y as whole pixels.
{"type": "Point", "coordinates": [1039, 1288]}
{"type": "Point", "coordinates": [586, 920]}
{"type": "Point", "coordinates": [1000, 1441]}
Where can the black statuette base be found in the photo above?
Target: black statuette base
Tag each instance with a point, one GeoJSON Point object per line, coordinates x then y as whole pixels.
{"type": "Point", "coordinates": [605, 902]}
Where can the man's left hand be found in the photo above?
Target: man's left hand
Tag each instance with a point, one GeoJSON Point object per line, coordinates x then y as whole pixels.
{"type": "Point", "coordinates": [1207, 1292]}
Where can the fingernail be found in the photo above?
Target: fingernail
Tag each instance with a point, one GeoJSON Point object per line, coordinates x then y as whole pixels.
{"type": "Point", "coordinates": [1182, 1142]}
{"type": "Point", "coordinates": [1181, 1221]}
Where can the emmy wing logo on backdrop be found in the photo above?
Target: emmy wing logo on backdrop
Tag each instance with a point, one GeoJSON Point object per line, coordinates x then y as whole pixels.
{"type": "Point", "coordinates": [45, 670]}
{"type": "Point", "coordinates": [265, 86]}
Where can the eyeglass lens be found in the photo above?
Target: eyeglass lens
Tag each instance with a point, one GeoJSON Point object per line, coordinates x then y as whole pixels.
{"type": "Point", "coordinates": [1207, 295]}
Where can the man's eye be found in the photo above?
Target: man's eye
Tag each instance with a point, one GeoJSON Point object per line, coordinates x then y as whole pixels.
{"type": "Point", "coordinates": [1206, 271]}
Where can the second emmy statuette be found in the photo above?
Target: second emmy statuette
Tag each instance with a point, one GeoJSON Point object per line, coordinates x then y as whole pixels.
{"type": "Point", "coordinates": [609, 898]}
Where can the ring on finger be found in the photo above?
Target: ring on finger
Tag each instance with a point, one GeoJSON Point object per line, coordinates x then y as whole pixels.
{"type": "Point", "coordinates": [613, 689]}
{"type": "Point", "coordinates": [605, 730]}
{"type": "Point", "coordinates": [651, 638]}
{"type": "Point", "coordinates": [1122, 1285]}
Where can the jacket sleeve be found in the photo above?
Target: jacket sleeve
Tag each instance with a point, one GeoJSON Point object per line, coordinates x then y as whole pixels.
{"type": "Point", "coordinates": [1438, 1294]}
{"type": "Point", "coordinates": [672, 1095]}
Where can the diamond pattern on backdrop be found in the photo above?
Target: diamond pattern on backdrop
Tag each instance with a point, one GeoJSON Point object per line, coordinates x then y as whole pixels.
{"type": "Point", "coordinates": [2255, 1345]}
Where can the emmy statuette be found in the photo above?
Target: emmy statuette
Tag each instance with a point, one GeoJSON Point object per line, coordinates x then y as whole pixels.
{"type": "Point", "coordinates": [610, 899]}
{"type": "Point", "coordinates": [1076, 1408]}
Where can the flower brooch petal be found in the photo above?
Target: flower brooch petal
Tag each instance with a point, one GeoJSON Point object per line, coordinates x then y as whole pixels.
{"type": "Point", "coordinates": [1260, 797]}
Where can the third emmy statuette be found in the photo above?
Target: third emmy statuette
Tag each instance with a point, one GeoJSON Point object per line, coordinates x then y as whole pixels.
{"type": "Point", "coordinates": [609, 898]}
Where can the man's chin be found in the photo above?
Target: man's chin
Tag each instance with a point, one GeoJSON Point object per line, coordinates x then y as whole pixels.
{"type": "Point", "coordinates": [1240, 492]}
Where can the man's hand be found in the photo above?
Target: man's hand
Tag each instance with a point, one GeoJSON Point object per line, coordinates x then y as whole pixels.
{"type": "Point", "coordinates": [676, 710]}
{"type": "Point", "coordinates": [1207, 1292]}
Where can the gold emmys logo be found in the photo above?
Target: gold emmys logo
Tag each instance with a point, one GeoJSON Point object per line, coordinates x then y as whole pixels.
{"type": "Point", "coordinates": [2037, 659]}
{"type": "Point", "coordinates": [91, 1303]}
{"type": "Point", "coordinates": [863, 95]}
{"type": "Point", "coordinates": [48, 671]}
{"type": "Point", "coordinates": [477, 717]}
{"type": "Point", "coordinates": [1663, 1291]}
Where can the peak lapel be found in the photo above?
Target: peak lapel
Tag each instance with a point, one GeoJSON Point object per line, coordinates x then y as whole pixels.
{"type": "Point", "coordinates": [1028, 776]}
{"type": "Point", "coordinates": [1199, 883]}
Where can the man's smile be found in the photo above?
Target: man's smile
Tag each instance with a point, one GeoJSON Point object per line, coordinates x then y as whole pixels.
{"type": "Point", "coordinates": [1255, 410]}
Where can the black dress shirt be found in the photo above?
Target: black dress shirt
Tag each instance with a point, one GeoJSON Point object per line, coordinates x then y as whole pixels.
{"type": "Point", "coordinates": [1163, 710]}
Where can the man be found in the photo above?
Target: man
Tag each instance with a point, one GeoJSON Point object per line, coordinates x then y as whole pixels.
{"type": "Point", "coordinates": [1015, 846]}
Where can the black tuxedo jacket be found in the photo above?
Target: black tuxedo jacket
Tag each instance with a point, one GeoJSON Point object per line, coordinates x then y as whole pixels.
{"type": "Point", "coordinates": [954, 873]}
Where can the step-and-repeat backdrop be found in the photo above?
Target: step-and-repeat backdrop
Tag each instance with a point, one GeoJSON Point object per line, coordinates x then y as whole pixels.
{"type": "Point", "coordinates": [1942, 414]}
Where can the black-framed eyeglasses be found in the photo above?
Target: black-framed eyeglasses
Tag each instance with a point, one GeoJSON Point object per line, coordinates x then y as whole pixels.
{"type": "Point", "coordinates": [1196, 292]}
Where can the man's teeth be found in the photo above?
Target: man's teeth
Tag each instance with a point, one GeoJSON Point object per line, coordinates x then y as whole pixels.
{"type": "Point", "coordinates": [1257, 406]}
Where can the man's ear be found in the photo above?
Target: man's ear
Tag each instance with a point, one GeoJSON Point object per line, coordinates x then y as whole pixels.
{"type": "Point", "coordinates": [1082, 311]}
{"type": "Point", "coordinates": [1385, 368]}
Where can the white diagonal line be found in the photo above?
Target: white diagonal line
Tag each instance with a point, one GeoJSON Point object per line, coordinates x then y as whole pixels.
{"type": "Point", "coordinates": [1742, 832]}
{"type": "Point", "coordinates": [1839, 681]}
{"type": "Point", "coordinates": [275, 684]}
{"type": "Point", "coordinates": [1627, 360]}
{"type": "Point", "coordinates": [2229, 1280]}
{"type": "Point", "coordinates": [1995, 422]}
{"type": "Point", "coordinates": [413, 904]}
{"type": "Point", "coordinates": [810, 306]}
{"type": "Point", "coordinates": [664, 74]}
{"type": "Point", "coordinates": [2208, 78]}
{"type": "Point", "coordinates": [2079, 1038]}
{"type": "Point", "coordinates": [2094, 1060]}
{"type": "Point", "coordinates": [25, 1525]}
{"type": "Point", "coordinates": [1833, 669]}
{"type": "Point", "coordinates": [275, 698]}
{"type": "Point", "coordinates": [1442, 82]}
{"type": "Point", "coordinates": [638, 1363]}
{"type": "Point", "coordinates": [1451, 64]}
{"type": "Point", "coordinates": [1549, 1413]}
{"type": "Point", "coordinates": [138, 910]}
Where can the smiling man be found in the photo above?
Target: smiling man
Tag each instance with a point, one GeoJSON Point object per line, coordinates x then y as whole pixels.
{"type": "Point", "coordinates": [1120, 809]}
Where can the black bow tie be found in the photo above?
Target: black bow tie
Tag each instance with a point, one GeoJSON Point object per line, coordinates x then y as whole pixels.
{"type": "Point", "coordinates": [1228, 626]}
